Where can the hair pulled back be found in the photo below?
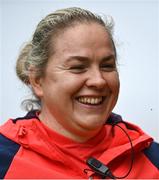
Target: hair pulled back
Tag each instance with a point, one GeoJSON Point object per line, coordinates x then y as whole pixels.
{"type": "Point", "coordinates": [36, 52]}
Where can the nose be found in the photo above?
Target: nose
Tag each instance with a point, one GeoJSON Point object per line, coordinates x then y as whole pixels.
{"type": "Point", "coordinates": [96, 79]}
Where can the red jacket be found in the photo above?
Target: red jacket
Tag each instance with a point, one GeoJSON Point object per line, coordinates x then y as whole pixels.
{"type": "Point", "coordinates": [29, 149]}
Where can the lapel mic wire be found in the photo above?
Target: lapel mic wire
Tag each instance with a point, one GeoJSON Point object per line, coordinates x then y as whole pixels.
{"type": "Point", "coordinates": [102, 170]}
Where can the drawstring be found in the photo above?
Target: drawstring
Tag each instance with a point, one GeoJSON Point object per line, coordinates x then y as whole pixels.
{"type": "Point", "coordinates": [22, 133]}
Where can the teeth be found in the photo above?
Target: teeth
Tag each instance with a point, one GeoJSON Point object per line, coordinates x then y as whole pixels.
{"type": "Point", "coordinates": [90, 100]}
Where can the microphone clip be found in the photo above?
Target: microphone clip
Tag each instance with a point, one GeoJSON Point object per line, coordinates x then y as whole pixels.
{"type": "Point", "coordinates": [98, 167]}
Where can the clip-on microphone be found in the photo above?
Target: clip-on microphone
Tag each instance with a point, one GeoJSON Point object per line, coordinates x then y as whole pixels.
{"type": "Point", "coordinates": [103, 170]}
{"type": "Point", "coordinates": [99, 168]}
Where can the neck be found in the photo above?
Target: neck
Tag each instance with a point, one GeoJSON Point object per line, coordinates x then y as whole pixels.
{"type": "Point", "coordinates": [79, 134]}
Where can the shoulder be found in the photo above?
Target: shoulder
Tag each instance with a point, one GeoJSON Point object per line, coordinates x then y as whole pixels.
{"type": "Point", "coordinates": [8, 150]}
{"type": "Point", "coordinates": [8, 143]}
{"type": "Point", "coordinates": [152, 153]}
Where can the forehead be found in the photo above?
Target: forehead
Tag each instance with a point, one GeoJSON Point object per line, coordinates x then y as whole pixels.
{"type": "Point", "coordinates": [84, 40]}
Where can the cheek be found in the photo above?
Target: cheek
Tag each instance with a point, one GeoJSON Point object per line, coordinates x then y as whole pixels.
{"type": "Point", "coordinates": [113, 82]}
{"type": "Point", "coordinates": [66, 86]}
{"type": "Point", "coordinates": [71, 84]}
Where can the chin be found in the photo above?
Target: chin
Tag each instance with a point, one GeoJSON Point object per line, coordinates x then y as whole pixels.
{"type": "Point", "coordinates": [92, 123]}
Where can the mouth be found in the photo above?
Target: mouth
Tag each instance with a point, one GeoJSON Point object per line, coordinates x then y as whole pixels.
{"type": "Point", "coordinates": [94, 101]}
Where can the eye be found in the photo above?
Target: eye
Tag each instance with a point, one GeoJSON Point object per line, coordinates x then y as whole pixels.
{"type": "Point", "coordinates": [108, 67]}
{"type": "Point", "coordinates": [78, 68]}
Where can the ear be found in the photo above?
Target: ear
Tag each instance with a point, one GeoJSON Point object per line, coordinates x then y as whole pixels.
{"type": "Point", "coordinates": [36, 84]}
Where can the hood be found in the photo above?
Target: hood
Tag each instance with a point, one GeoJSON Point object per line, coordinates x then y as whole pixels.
{"type": "Point", "coordinates": [30, 133]}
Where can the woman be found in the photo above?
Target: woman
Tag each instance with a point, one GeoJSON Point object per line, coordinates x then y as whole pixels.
{"type": "Point", "coordinates": [70, 65]}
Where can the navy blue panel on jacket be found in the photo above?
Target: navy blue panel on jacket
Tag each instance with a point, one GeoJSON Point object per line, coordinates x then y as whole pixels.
{"type": "Point", "coordinates": [8, 149]}
{"type": "Point", "coordinates": [152, 152]}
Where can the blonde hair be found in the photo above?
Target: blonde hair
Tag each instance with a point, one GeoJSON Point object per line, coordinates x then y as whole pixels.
{"type": "Point", "coordinates": [36, 52]}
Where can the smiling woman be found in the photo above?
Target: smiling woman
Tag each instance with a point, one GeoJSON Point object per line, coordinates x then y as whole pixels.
{"type": "Point", "coordinates": [78, 82]}
{"type": "Point", "coordinates": [70, 65]}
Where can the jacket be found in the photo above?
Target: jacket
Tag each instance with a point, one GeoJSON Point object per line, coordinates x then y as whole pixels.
{"type": "Point", "coordinates": [29, 149]}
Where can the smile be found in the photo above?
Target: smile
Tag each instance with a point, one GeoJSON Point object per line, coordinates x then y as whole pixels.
{"type": "Point", "coordinates": [91, 100]}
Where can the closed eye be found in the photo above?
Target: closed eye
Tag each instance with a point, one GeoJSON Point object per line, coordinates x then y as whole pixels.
{"type": "Point", "coordinates": [78, 68]}
{"type": "Point", "coordinates": [108, 67]}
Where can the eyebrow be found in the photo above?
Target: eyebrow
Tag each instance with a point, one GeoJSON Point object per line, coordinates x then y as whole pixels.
{"type": "Point", "coordinates": [86, 59]}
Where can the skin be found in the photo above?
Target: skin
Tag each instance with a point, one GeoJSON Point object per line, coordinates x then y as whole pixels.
{"type": "Point", "coordinates": [83, 65]}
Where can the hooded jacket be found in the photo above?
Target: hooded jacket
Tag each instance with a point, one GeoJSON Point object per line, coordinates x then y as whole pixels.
{"type": "Point", "coordinates": [29, 149]}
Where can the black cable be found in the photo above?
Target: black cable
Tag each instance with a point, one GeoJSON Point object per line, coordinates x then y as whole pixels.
{"type": "Point", "coordinates": [132, 157]}
{"type": "Point", "coordinates": [102, 170]}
